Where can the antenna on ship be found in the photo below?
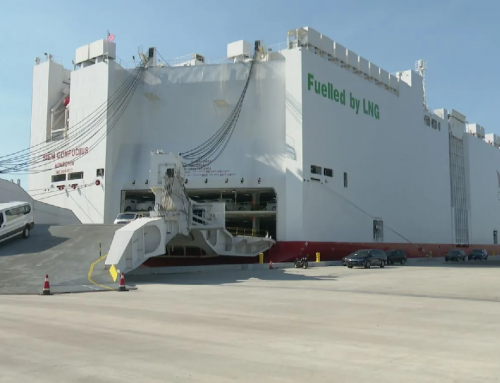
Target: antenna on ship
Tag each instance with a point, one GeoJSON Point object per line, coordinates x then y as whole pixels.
{"type": "Point", "coordinates": [421, 67]}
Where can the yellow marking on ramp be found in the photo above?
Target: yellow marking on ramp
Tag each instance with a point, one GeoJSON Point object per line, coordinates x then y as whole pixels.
{"type": "Point", "coordinates": [113, 273]}
{"type": "Point", "coordinates": [91, 270]}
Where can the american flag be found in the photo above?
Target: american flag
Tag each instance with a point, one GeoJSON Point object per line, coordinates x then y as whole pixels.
{"type": "Point", "coordinates": [111, 37]}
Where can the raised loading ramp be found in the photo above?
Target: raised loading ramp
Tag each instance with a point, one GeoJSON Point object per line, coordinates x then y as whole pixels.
{"type": "Point", "coordinates": [66, 253]}
{"type": "Point", "coordinates": [177, 220]}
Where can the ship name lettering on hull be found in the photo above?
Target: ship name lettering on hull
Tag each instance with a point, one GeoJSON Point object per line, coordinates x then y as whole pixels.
{"type": "Point", "coordinates": [66, 153]}
{"type": "Point", "coordinates": [64, 164]}
{"type": "Point", "coordinates": [63, 171]}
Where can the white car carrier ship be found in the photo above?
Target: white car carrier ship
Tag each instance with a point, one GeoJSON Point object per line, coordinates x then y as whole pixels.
{"type": "Point", "coordinates": [318, 150]}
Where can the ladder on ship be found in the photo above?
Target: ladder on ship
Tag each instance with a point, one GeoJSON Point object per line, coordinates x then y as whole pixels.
{"type": "Point", "coordinates": [459, 209]}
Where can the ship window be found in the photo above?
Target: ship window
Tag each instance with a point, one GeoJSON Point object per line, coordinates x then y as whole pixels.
{"type": "Point", "coordinates": [439, 125]}
{"type": "Point", "coordinates": [100, 172]}
{"type": "Point", "coordinates": [495, 237]}
{"type": "Point", "coordinates": [434, 124]}
{"type": "Point", "coordinates": [75, 176]}
{"type": "Point", "coordinates": [328, 172]}
{"type": "Point", "coordinates": [427, 120]}
{"type": "Point", "coordinates": [345, 179]}
{"type": "Point", "coordinates": [57, 136]}
{"type": "Point", "coordinates": [315, 169]}
{"type": "Point", "coordinates": [59, 178]}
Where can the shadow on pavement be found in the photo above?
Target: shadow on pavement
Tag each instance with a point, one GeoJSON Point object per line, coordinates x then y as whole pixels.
{"type": "Point", "coordinates": [40, 239]}
{"type": "Point", "coordinates": [441, 263]}
{"type": "Point", "coordinates": [226, 277]}
{"type": "Point", "coordinates": [289, 274]}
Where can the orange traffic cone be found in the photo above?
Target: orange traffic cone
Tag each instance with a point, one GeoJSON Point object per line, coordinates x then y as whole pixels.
{"type": "Point", "coordinates": [121, 287]}
{"type": "Point", "coordinates": [271, 265]}
{"type": "Point", "coordinates": [46, 286]}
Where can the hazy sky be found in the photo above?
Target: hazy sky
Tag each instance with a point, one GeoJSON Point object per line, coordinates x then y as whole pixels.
{"type": "Point", "coordinates": [458, 39]}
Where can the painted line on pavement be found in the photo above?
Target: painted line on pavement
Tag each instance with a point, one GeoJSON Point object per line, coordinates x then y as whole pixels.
{"type": "Point", "coordinates": [91, 270]}
{"type": "Point", "coordinates": [91, 287]}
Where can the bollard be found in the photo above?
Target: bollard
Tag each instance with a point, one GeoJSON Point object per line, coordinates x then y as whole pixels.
{"type": "Point", "coordinates": [430, 254]}
{"type": "Point", "coordinates": [318, 257]}
{"type": "Point", "coordinates": [100, 250]}
{"type": "Point", "coordinates": [261, 258]}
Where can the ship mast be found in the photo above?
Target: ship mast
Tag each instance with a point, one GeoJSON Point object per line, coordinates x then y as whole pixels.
{"type": "Point", "coordinates": [421, 67]}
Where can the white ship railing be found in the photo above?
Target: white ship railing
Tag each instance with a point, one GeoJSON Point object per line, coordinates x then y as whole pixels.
{"type": "Point", "coordinates": [278, 47]}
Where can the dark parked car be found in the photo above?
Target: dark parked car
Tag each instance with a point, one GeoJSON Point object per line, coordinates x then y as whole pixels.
{"type": "Point", "coordinates": [455, 255]}
{"type": "Point", "coordinates": [396, 256]}
{"type": "Point", "coordinates": [478, 254]}
{"type": "Point", "coordinates": [367, 258]}
{"type": "Point", "coordinates": [344, 259]}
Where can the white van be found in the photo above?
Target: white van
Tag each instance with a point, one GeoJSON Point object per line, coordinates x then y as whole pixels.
{"type": "Point", "coordinates": [15, 218]}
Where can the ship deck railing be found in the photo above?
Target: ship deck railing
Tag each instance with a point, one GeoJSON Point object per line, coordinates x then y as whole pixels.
{"type": "Point", "coordinates": [247, 232]}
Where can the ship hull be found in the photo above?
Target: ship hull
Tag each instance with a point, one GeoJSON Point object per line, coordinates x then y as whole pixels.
{"type": "Point", "coordinates": [328, 150]}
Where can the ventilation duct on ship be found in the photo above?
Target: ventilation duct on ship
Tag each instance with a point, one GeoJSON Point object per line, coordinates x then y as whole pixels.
{"type": "Point", "coordinates": [152, 61]}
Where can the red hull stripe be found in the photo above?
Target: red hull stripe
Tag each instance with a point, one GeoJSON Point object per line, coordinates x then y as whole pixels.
{"type": "Point", "coordinates": [330, 251]}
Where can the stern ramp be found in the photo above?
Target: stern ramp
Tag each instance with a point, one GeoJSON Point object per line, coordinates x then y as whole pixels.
{"type": "Point", "coordinates": [176, 221]}
{"type": "Point", "coordinates": [65, 253]}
